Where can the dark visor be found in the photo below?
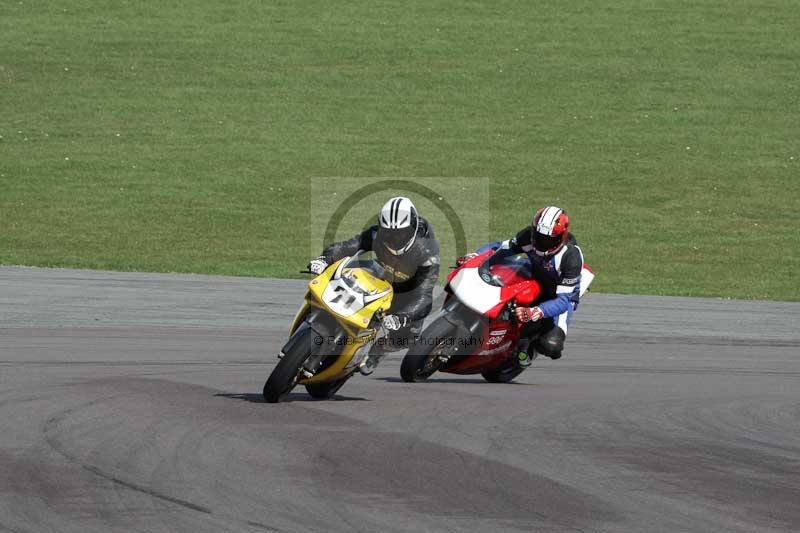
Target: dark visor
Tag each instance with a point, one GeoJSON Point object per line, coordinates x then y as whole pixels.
{"type": "Point", "coordinates": [396, 239]}
{"type": "Point", "coordinates": [545, 243]}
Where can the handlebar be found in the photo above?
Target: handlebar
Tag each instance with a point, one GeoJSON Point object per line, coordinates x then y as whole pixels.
{"type": "Point", "coordinates": [512, 306]}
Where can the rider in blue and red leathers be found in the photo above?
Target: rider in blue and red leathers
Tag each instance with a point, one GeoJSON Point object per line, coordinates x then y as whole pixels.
{"type": "Point", "coordinates": [556, 264]}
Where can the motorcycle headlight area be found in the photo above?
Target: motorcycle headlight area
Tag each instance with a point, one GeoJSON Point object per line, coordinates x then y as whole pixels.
{"type": "Point", "coordinates": [352, 283]}
{"type": "Point", "coordinates": [346, 296]}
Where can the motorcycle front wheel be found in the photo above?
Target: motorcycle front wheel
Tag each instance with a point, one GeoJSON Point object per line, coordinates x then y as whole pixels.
{"type": "Point", "coordinates": [284, 376]}
{"type": "Point", "coordinates": [421, 361]}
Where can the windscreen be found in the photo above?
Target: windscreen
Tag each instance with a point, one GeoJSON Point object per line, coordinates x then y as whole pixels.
{"type": "Point", "coordinates": [505, 268]}
{"type": "Point", "coordinates": [366, 261]}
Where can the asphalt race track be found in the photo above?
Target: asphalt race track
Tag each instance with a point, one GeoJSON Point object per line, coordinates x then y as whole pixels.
{"type": "Point", "coordinates": [132, 402]}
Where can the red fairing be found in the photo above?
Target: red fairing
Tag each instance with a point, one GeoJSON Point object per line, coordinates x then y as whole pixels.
{"type": "Point", "coordinates": [496, 340]}
{"type": "Point", "coordinates": [523, 293]}
{"type": "Point", "coordinates": [452, 274]}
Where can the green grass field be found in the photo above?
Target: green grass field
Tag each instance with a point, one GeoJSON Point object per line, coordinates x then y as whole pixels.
{"type": "Point", "coordinates": [183, 136]}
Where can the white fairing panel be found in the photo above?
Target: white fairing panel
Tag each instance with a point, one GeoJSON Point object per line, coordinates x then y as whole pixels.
{"type": "Point", "coordinates": [476, 294]}
{"type": "Point", "coordinates": [586, 279]}
{"type": "Point", "coordinates": [341, 299]}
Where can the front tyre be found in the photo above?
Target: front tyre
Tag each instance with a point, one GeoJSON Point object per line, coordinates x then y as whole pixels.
{"type": "Point", "coordinates": [284, 376]}
{"type": "Point", "coordinates": [422, 360]}
{"type": "Point", "coordinates": [323, 391]}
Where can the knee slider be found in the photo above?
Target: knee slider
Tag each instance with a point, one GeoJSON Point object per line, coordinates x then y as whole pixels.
{"type": "Point", "coordinates": [551, 343]}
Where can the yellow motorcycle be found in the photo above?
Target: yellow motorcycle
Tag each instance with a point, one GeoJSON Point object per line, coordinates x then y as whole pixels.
{"type": "Point", "coordinates": [334, 330]}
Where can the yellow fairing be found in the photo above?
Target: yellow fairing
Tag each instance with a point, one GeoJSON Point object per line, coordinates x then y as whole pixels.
{"type": "Point", "coordinates": [320, 281]}
{"type": "Point", "coordinates": [353, 325]}
{"type": "Point", "coordinates": [359, 320]}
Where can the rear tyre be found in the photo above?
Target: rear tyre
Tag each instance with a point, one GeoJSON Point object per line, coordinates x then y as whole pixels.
{"type": "Point", "coordinates": [323, 391]}
{"type": "Point", "coordinates": [503, 374]}
{"type": "Point", "coordinates": [421, 362]}
{"type": "Point", "coordinates": [284, 376]}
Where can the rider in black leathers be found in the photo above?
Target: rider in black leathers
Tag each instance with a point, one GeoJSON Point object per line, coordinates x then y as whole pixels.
{"type": "Point", "coordinates": [405, 246]}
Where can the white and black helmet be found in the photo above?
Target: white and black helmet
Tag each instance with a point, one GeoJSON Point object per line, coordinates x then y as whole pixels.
{"type": "Point", "coordinates": [398, 224]}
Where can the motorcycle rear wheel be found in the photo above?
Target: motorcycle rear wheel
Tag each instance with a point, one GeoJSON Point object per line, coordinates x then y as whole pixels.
{"type": "Point", "coordinates": [284, 376]}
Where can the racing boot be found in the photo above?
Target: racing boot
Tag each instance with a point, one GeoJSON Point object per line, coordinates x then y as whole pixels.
{"type": "Point", "coordinates": [370, 363]}
{"type": "Point", "coordinates": [377, 352]}
{"type": "Point", "coordinates": [525, 353]}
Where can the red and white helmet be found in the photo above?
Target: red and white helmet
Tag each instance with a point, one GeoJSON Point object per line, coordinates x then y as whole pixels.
{"type": "Point", "coordinates": [549, 230]}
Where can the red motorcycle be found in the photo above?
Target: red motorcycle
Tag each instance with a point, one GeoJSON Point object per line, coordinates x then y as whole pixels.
{"type": "Point", "coordinates": [476, 330]}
